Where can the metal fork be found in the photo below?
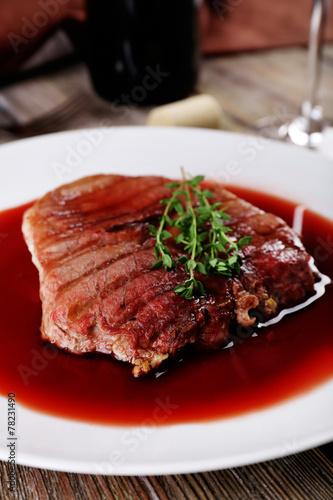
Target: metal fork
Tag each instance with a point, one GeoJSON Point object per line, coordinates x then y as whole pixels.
{"type": "Point", "coordinates": [51, 121]}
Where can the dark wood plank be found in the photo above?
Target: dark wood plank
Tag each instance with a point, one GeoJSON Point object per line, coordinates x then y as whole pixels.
{"type": "Point", "coordinates": [307, 475]}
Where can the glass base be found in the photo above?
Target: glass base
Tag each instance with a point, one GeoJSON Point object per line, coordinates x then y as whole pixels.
{"type": "Point", "coordinates": [305, 130]}
{"type": "Point", "coordinates": [297, 132]}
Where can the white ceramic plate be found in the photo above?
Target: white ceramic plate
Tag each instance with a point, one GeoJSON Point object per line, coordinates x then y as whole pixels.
{"type": "Point", "coordinates": [30, 168]}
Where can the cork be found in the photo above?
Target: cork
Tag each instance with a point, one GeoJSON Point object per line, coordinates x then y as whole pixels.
{"type": "Point", "coordinates": [202, 111]}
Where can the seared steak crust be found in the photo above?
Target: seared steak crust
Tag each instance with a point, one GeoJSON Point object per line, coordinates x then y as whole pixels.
{"type": "Point", "coordinates": [91, 244]}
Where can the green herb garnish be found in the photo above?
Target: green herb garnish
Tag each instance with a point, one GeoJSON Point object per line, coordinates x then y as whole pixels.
{"type": "Point", "coordinates": [202, 235]}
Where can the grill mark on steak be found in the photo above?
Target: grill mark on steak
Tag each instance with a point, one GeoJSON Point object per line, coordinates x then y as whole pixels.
{"type": "Point", "coordinates": [116, 288]}
{"type": "Point", "coordinates": [112, 286]}
{"type": "Point", "coordinates": [92, 266]}
{"type": "Point", "coordinates": [134, 304]}
{"type": "Point", "coordinates": [91, 243]}
{"type": "Point", "coordinates": [152, 192]}
{"type": "Point", "coordinates": [121, 224]}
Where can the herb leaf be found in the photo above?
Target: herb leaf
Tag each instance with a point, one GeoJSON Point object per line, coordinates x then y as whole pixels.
{"type": "Point", "coordinates": [245, 241]}
{"type": "Point", "coordinates": [203, 235]}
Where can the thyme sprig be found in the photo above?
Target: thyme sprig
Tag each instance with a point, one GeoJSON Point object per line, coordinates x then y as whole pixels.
{"type": "Point", "coordinates": [202, 235]}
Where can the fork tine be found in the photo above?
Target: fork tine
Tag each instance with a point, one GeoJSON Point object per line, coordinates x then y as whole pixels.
{"type": "Point", "coordinates": [52, 120]}
{"type": "Point", "coordinates": [58, 116]}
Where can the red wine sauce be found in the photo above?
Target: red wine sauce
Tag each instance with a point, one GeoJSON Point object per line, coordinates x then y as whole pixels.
{"type": "Point", "coordinates": [284, 360]}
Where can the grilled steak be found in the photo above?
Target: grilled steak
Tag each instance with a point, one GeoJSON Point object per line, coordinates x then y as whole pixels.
{"type": "Point", "coordinates": [91, 243]}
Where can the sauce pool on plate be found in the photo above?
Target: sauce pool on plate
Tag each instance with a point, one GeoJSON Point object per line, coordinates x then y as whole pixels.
{"type": "Point", "coordinates": [264, 367]}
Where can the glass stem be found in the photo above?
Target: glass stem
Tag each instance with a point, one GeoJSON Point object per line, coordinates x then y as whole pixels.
{"type": "Point", "coordinates": [316, 39]}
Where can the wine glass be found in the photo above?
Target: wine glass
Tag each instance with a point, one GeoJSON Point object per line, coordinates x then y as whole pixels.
{"type": "Point", "coordinates": [306, 129]}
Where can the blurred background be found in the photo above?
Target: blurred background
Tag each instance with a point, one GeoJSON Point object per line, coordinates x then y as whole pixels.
{"type": "Point", "coordinates": [62, 69]}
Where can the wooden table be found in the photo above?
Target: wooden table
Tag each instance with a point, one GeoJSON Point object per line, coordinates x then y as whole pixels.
{"type": "Point", "coordinates": [248, 86]}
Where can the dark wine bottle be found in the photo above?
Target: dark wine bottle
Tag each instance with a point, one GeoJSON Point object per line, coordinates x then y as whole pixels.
{"type": "Point", "coordinates": [142, 52]}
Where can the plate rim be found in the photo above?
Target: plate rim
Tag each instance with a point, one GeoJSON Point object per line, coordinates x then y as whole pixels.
{"type": "Point", "coordinates": [253, 457]}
